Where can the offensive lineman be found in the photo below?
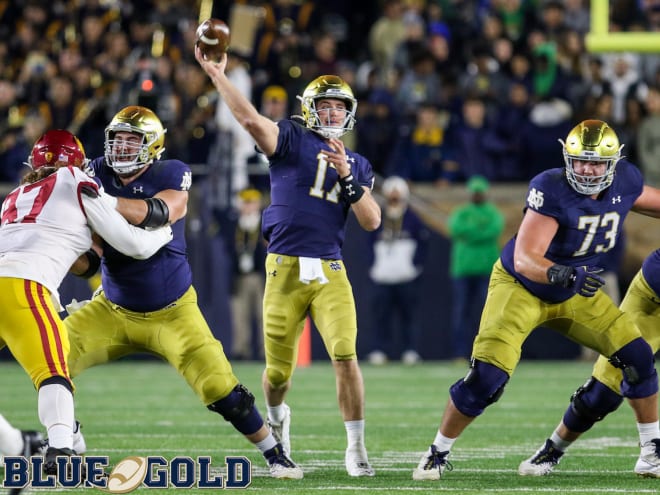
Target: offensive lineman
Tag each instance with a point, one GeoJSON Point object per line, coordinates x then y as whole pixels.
{"type": "Point", "coordinates": [548, 275]}
{"type": "Point", "coordinates": [150, 305]}
{"type": "Point", "coordinates": [46, 226]}
{"type": "Point", "coordinates": [601, 394]}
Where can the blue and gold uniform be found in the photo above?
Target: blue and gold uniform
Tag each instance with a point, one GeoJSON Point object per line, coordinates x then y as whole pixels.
{"type": "Point", "coordinates": [306, 218]}
{"type": "Point", "coordinates": [150, 305]}
{"type": "Point", "coordinates": [547, 275]}
{"type": "Point", "coordinates": [588, 229]}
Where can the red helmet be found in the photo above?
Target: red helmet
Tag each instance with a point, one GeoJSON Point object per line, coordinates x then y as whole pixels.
{"type": "Point", "coordinates": [57, 148]}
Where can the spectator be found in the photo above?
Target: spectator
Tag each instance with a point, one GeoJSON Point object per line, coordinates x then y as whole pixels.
{"type": "Point", "coordinates": [648, 144]}
{"type": "Point", "coordinates": [474, 229]}
{"type": "Point", "coordinates": [419, 154]}
{"type": "Point", "coordinates": [247, 250]}
{"type": "Point", "coordinates": [398, 248]}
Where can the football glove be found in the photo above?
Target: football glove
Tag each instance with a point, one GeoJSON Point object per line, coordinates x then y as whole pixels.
{"type": "Point", "coordinates": [584, 280]}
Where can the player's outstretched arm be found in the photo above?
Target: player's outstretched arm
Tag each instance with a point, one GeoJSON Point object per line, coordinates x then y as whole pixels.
{"type": "Point", "coordinates": [106, 221]}
{"type": "Point", "coordinates": [648, 203]}
{"type": "Point", "coordinates": [262, 129]}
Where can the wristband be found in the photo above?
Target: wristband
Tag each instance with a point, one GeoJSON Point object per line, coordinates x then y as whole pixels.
{"type": "Point", "coordinates": [561, 275]}
{"type": "Point", "coordinates": [351, 189]}
{"type": "Point", "coordinates": [94, 261]}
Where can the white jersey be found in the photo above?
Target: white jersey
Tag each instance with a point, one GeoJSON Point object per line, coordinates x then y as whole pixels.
{"type": "Point", "coordinates": [45, 226]}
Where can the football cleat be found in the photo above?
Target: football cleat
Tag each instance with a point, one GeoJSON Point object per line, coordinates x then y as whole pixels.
{"type": "Point", "coordinates": [648, 464]}
{"type": "Point", "coordinates": [50, 459]}
{"type": "Point", "coordinates": [357, 462]}
{"type": "Point", "coordinates": [432, 465]}
{"type": "Point", "coordinates": [33, 444]}
{"type": "Point", "coordinates": [280, 465]}
{"type": "Point", "coordinates": [281, 430]}
{"type": "Point", "coordinates": [542, 462]}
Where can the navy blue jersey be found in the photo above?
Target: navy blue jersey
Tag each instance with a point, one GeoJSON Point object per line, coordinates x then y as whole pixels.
{"type": "Point", "coordinates": [151, 284]}
{"type": "Point", "coordinates": [307, 215]}
{"type": "Point", "coordinates": [651, 270]}
{"type": "Point", "coordinates": [588, 228]}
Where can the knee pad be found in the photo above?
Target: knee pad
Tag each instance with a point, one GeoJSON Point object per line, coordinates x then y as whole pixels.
{"type": "Point", "coordinates": [343, 350]}
{"type": "Point", "coordinates": [590, 403]}
{"type": "Point", "coordinates": [276, 377]}
{"type": "Point", "coordinates": [238, 408]}
{"type": "Point", "coordinates": [481, 387]}
{"type": "Point", "coordinates": [635, 360]}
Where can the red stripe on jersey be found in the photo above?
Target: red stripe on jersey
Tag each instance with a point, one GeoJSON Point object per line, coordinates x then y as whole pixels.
{"type": "Point", "coordinates": [43, 331]}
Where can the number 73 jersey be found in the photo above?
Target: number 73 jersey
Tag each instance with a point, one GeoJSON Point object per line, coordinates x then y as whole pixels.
{"type": "Point", "coordinates": [307, 214]}
{"type": "Point", "coordinates": [588, 228]}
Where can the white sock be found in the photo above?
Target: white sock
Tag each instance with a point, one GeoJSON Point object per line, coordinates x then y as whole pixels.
{"type": "Point", "coordinates": [355, 433]}
{"type": "Point", "coordinates": [56, 414]}
{"type": "Point", "coordinates": [648, 431]}
{"type": "Point", "coordinates": [276, 413]}
{"type": "Point", "coordinates": [11, 439]}
{"type": "Point", "coordinates": [266, 444]}
{"type": "Point", "coordinates": [443, 443]}
{"type": "Point", "coordinates": [559, 442]}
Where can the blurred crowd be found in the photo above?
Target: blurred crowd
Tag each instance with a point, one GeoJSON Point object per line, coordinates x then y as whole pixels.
{"type": "Point", "coordinates": [447, 89]}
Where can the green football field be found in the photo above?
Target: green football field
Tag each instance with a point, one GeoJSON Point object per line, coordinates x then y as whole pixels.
{"type": "Point", "coordinates": [143, 408]}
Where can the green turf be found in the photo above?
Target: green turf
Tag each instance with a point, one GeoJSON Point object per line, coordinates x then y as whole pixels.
{"type": "Point", "coordinates": [144, 408]}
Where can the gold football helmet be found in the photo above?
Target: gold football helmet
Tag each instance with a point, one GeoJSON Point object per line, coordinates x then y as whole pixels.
{"type": "Point", "coordinates": [328, 87]}
{"type": "Point", "coordinates": [593, 141]}
{"type": "Point", "coordinates": [126, 159]}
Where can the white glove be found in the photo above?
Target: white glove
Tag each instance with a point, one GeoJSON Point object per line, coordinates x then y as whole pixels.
{"type": "Point", "coordinates": [75, 305]}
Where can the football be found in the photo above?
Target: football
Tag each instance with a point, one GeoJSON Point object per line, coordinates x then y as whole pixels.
{"type": "Point", "coordinates": [213, 38]}
{"type": "Point", "coordinates": [127, 475]}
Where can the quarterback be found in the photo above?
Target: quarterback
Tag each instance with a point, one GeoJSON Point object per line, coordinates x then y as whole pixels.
{"type": "Point", "coordinates": [315, 181]}
{"type": "Point", "coordinates": [150, 305]}
{"type": "Point", "coordinates": [47, 224]}
{"type": "Point", "coordinates": [547, 275]}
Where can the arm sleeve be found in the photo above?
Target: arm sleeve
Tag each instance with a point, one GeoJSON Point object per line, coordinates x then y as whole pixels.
{"type": "Point", "coordinates": [116, 231]}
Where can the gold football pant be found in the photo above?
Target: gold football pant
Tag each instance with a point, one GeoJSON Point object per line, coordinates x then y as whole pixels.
{"type": "Point", "coordinates": [287, 301]}
{"type": "Point", "coordinates": [102, 331]}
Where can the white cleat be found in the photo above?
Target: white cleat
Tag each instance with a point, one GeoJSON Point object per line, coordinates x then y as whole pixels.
{"type": "Point", "coordinates": [281, 430]}
{"type": "Point", "coordinates": [282, 467]}
{"type": "Point", "coordinates": [432, 465]}
{"type": "Point", "coordinates": [542, 462]}
{"type": "Point", "coordinates": [357, 462]}
{"type": "Point", "coordinates": [648, 464]}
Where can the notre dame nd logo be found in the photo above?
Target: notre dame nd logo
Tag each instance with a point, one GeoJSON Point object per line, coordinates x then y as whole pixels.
{"type": "Point", "coordinates": [535, 198]}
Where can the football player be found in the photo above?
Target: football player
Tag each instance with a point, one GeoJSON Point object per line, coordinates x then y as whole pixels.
{"type": "Point", "coordinates": [547, 275]}
{"type": "Point", "coordinates": [601, 394]}
{"type": "Point", "coordinates": [315, 181]}
{"type": "Point", "coordinates": [150, 305]}
{"type": "Point", "coordinates": [47, 224]}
